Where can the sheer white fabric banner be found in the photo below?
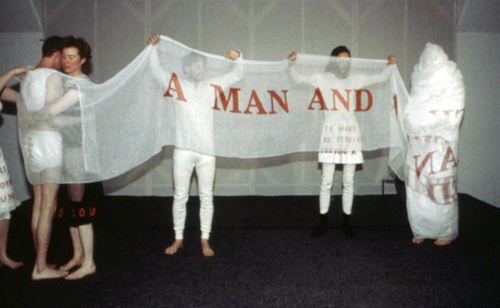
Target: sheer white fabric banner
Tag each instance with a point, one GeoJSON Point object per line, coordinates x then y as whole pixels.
{"type": "Point", "coordinates": [243, 109]}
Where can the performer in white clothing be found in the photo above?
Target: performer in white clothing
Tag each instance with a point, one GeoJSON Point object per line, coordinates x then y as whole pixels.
{"type": "Point", "coordinates": [338, 127]}
{"type": "Point", "coordinates": [8, 200]}
{"type": "Point", "coordinates": [432, 120]}
{"type": "Point", "coordinates": [194, 128]}
{"type": "Point", "coordinates": [41, 145]}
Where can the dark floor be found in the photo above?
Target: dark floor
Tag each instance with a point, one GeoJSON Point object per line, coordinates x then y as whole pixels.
{"type": "Point", "coordinates": [264, 257]}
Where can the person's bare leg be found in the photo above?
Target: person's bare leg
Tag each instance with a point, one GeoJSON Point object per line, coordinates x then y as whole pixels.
{"type": "Point", "coordinates": [174, 247]}
{"type": "Point", "coordinates": [205, 248]}
{"type": "Point", "coordinates": [4, 259]}
{"type": "Point", "coordinates": [441, 242]}
{"type": "Point", "coordinates": [43, 232]}
{"type": "Point", "coordinates": [75, 194]}
{"type": "Point", "coordinates": [77, 259]}
{"type": "Point", "coordinates": [417, 240]}
{"type": "Point", "coordinates": [86, 233]}
{"type": "Point", "coordinates": [35, 216]}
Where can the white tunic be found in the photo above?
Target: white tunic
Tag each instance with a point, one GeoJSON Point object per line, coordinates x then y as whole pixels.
{"type": "Point", "coordinates": [340, 139]}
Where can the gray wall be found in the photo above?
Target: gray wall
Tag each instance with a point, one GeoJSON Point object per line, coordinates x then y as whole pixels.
{"type": "Point", "coordinates": [270, 30]}
{"type": "Point", "coordinates": [479, 137]}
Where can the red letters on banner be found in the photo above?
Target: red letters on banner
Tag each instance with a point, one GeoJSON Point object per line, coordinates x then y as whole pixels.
{"type": "Point", "coordinates": [178, 88]}
{"type": "Point", "coordinates": [254, 101]}
{"type": "Point", "coordinates": [344, 100]}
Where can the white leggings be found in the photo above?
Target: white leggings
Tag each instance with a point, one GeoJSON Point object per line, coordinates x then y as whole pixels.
{"type": "Point", "coordinates": [327, 176]}
{"type": "Point", "coordinates": [184, 162]}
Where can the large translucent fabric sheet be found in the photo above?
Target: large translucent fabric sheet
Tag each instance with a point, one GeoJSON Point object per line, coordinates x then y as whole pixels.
{"type": "Point", "coordinates": [243, 109]}
{"type": "Point", "coordinates": [433, 119]}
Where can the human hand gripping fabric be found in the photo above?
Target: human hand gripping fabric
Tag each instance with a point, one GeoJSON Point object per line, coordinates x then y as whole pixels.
{"type": "Point", "coordinates": [391, 60]}
{"type": "Point", "coordinates": [232, 54]}
{"type": "Point", "coordinates": [154, 39]}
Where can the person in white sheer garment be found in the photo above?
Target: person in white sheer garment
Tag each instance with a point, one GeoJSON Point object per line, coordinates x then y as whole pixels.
{"type": "Point", "coordinates": [8, 200]}
{"type": "Point", "coordinates": [337, 76]}
{"type": "Point", "coordinates": [194, 121]}
{"type": "Point", "coordinates": [76, 55]}
{"type": "Point", "coordinates": [41, 146]}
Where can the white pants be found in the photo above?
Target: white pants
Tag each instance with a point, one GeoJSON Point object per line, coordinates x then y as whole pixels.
{"type": "Point", "coordinates": [184, 162]}
{"type": "Point", "coordinates": [327, 176]}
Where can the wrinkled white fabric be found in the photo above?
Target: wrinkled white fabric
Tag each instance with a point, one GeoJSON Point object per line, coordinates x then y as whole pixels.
{"type": "Point", "coordinates": [432, 120]}
{"type": "Point", "coordinates": [260, 112]}
{"type": "Point", "coordinates": [8, 200]}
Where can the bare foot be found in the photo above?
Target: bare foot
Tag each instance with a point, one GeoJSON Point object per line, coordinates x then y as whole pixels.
{"type": "Point", "coordinates": [441, 242]}
{"type": "Point", "coordinates": [76, 261]}
{"type": "Point", "coordinates": [48, 273]}
{"type": "Point", "coordinates": [82, 272]}
{"type": "Point", "coordinates": [205, 248]}
{"type": "Point", "coordinates": [9, 262]}
{"type": "Point", "coordinates": [417, 240]}
{"type": "Point", "coordinates": [174, 247]}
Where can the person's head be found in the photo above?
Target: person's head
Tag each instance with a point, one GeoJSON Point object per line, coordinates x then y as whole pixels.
{"type": "Point", "coordinates": [193, 65]}
{"type": "Point", "coordinates": [76, 55]}
{"type": "Point", "coordinates": [51, 50]}
{"type": "Point", "coordinates": [337, 67]}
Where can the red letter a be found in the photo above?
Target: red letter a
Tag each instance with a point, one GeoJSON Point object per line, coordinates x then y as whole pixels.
{"type": "Point", "coordinates": [320, 100]}
{"type": "Point", "coordinates": [177, 88]}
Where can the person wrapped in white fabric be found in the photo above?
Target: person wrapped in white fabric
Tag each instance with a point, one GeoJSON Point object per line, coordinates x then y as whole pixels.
{"type": "Point", "coordinates": [432, 120]}
{"type": "Point", "coordinates": [194, 126]}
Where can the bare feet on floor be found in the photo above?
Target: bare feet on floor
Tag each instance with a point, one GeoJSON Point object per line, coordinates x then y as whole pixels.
{"type": "Point", "coordinates": [76, 261]}
{"type": "Point", "coordinates": [417, 240]}
{"type": "Point", "coordinates": [83, 271]}
{"type": "Point", "coordinates": [48, 273]}
{"type": "Point", "coordinates": [205, 248]}
{"type": "Point", "coordinates": [441, 242]}
{"type": "Point", "coordinates": [174, 247]}
{"type": "Point", "coordinates": [9, 262]}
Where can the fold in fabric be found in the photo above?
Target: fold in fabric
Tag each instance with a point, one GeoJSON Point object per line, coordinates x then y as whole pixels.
{"type": "Point", "coordinates": [433, 118]}
{"type": "Point", "coordinates": [243, 109]}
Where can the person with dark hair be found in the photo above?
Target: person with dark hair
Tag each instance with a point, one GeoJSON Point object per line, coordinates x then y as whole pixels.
{"type": "Point", "coordinates": [51, 46]}
{"type": "Point", "coordinates": [76, 55]}
{"type": "Point", "coordinates": [198, 108]}
{"type": "Point", "coordinates": [337, 75]}
{"type": "Point", "coordinates": [41, 147]}
{"type": "Point", "coordinates": [8, 200]}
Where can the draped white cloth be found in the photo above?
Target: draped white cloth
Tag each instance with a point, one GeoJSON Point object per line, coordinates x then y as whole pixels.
{"type": "Point", "coordinates": [244, 109]}
{"type": "Point", "coordinates": [8, 200]}
{"type": "Point", "coordinates": [432, 119]}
